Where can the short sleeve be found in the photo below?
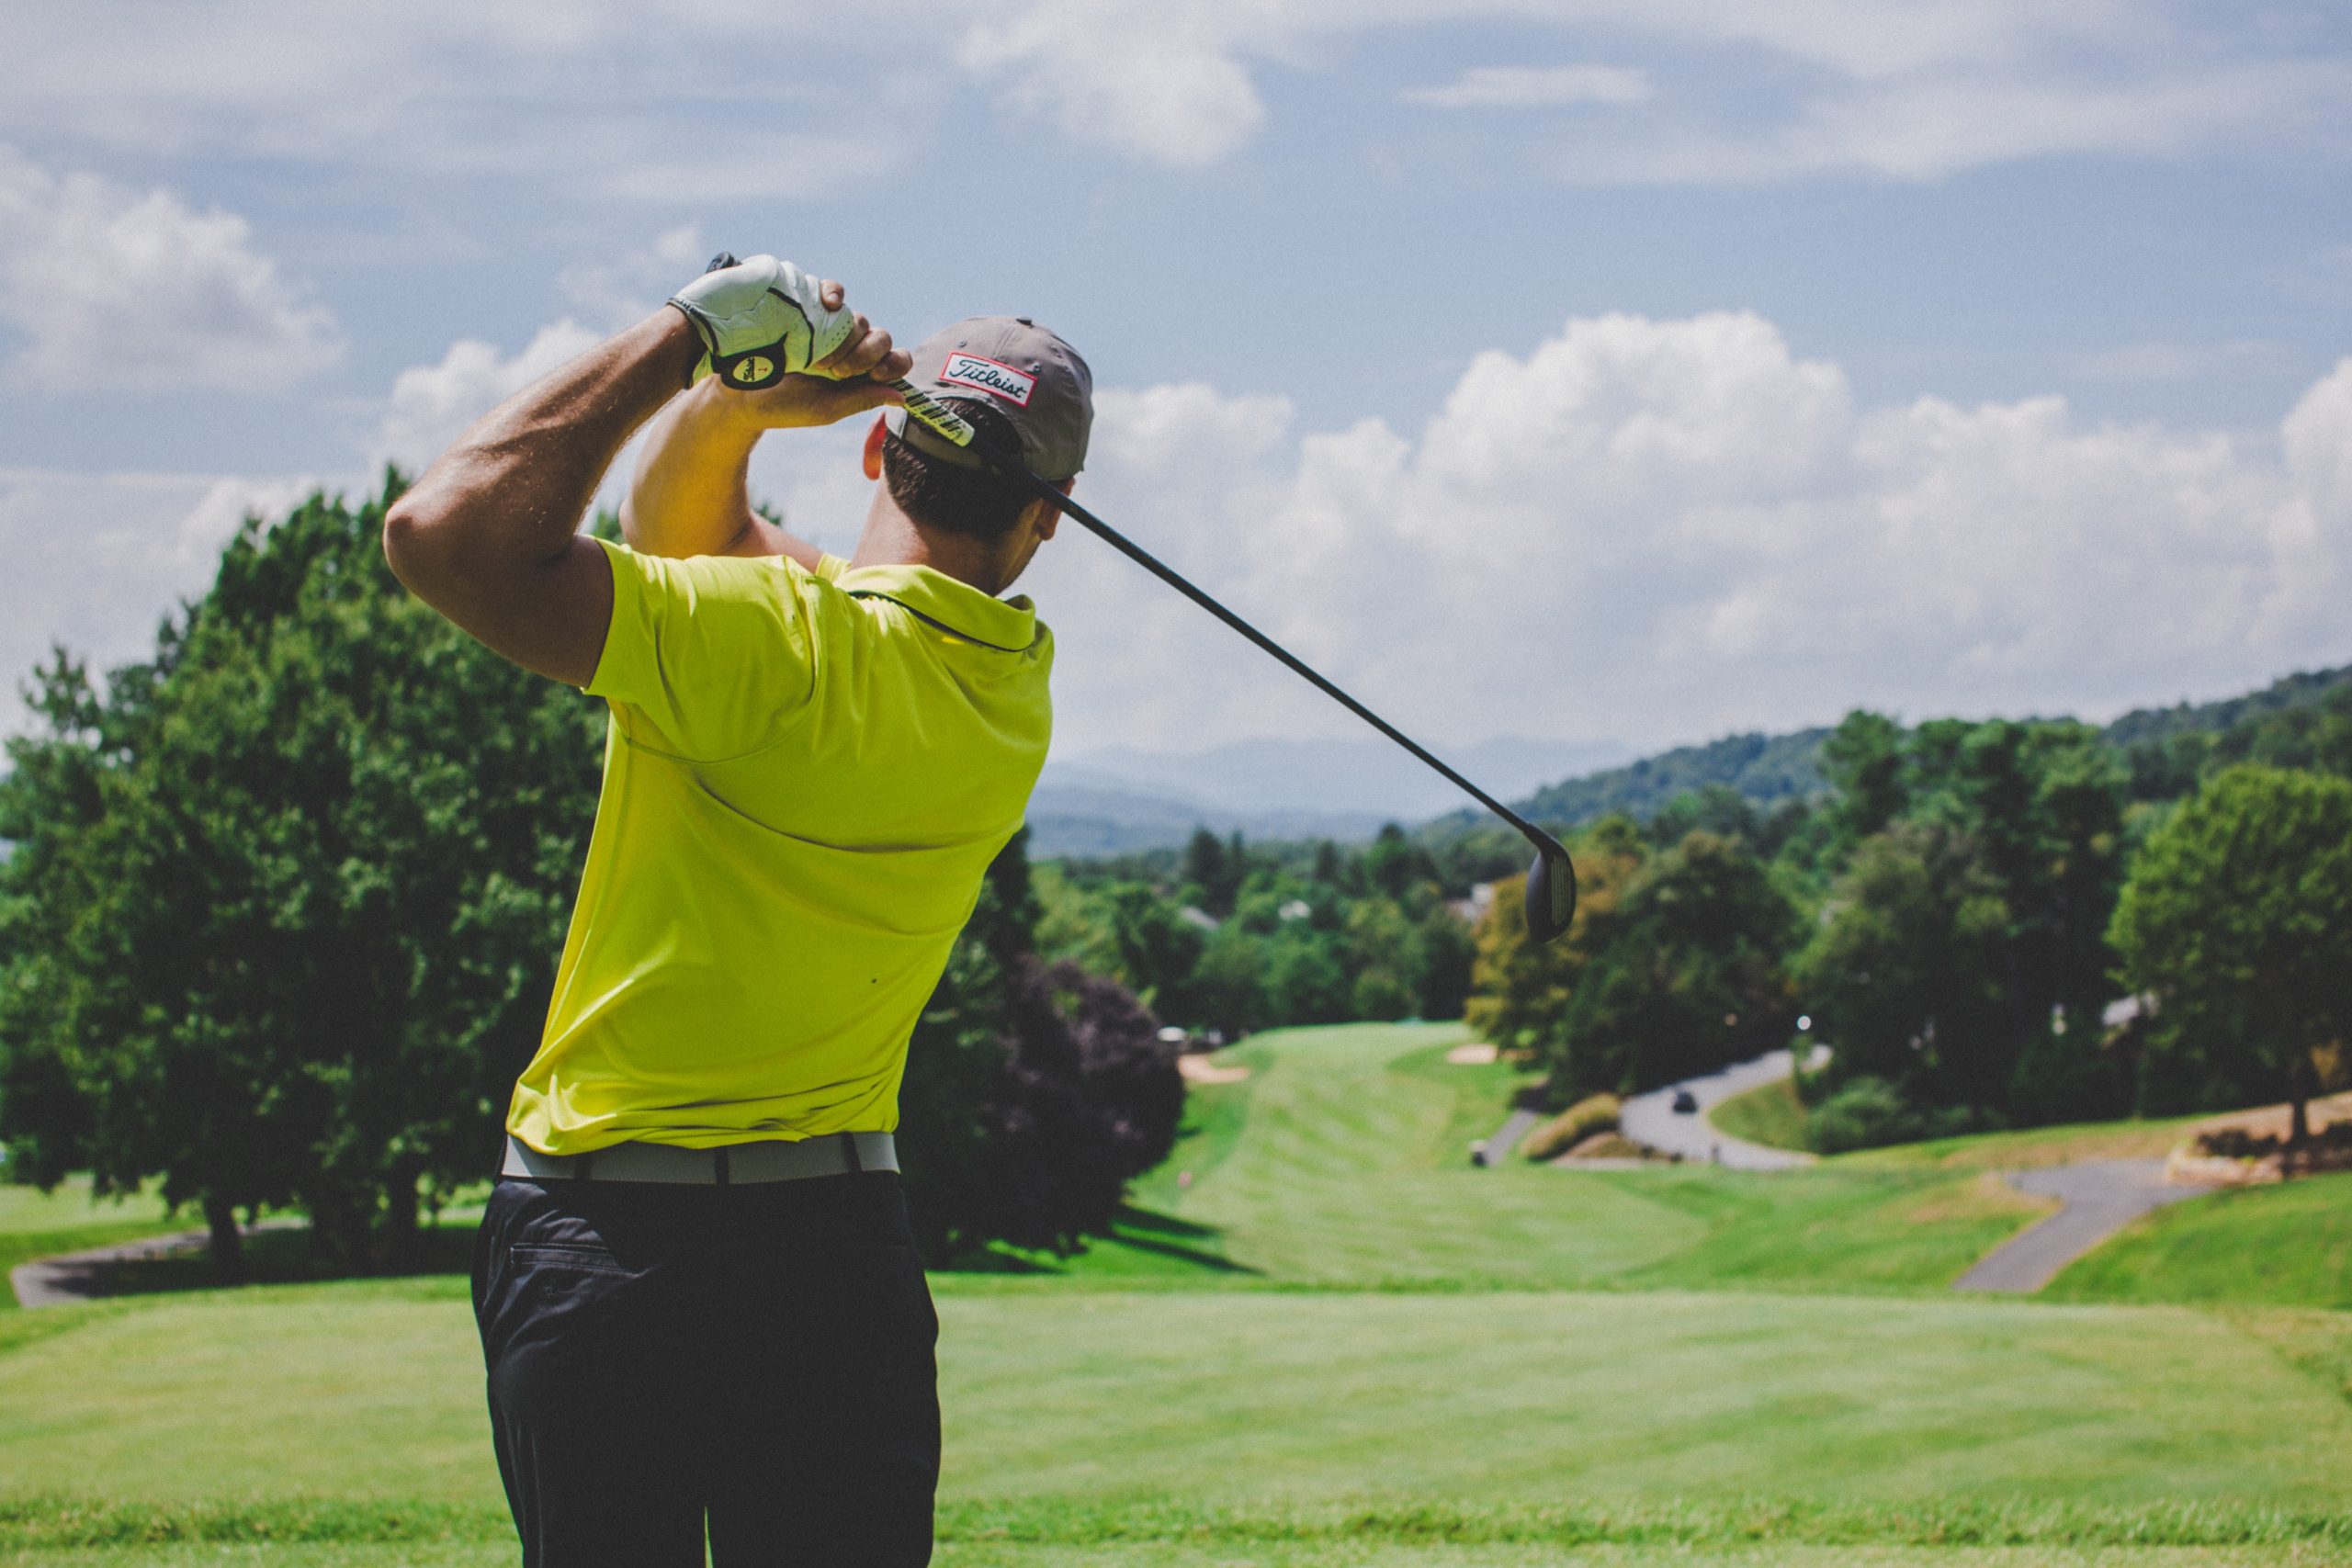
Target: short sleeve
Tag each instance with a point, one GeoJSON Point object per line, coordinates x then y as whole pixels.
{"type": "Point", "coordinates": [707, 657]}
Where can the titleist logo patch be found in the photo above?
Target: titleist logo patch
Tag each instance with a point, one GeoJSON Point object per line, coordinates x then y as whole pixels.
{"type": "Point", "coordinates": [989, 376]}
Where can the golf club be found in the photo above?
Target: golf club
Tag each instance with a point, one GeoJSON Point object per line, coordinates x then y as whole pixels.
{"type": "Point", "coordinates": [1551, 879]}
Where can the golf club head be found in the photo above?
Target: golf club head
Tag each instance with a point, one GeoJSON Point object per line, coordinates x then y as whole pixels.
{"type": "Point", "coordinates": [1551, 894]}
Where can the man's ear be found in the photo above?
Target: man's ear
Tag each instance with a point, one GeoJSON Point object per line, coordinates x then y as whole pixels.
{"type": "Point", "coordinates": [874, 448]}
{"type": "Point", "coordinates": [1050, 516]}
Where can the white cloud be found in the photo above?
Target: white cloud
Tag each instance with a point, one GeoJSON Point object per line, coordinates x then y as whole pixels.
{"type": "Point", "coordinates": [713, 102]}
{"type": "Point", "coordinates": [97, 560]}
{"type": "Point", "coordinates": [618, 293]}
{"type": "Point", "coordinates": [1658, 530]}
{"type": "Point", "coordinates": [1158, 82]}
{"type": "Point", "coordinates": [114, 288]}
{"type": "Point", "coordinates": [1535, 86]}
{"type": "Point", "coordinates": [698, 102]}
{"type": "Point", "coordinates": [1663, 530]}
{"type": "Point", "coordinates": [431, 404]}
{"type": "Point", "coordinates": [1915, 92]}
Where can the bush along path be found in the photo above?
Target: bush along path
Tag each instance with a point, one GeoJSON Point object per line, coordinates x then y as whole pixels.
{"type": "Point", "coordinates": [2097, 1198]}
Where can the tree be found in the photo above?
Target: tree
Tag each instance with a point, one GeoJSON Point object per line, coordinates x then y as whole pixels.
{"type": "Point", "coordinates": [1216, 868]}
{"type": "Point", "coordinates": [1692, 976]}
{"type": "Point", "coordinates": [1903, 974]}
{"type": "Point", "coordinates": [288, 896]}
{"type": "Point", "coordinates": [1520, 989]}
{"type": "Point", "coordinates": [2237, 922]}
{"type": "Point", "coordinates": [1034, 1092]}
{"type": "Point", "coordinates": [1394, 865]}
{"type": "Point", "coordinates": [1963, 958]}
{"type": "Point", "coordinates": [1862, 758]}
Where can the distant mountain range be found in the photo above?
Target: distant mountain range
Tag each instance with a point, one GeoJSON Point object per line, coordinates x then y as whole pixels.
{"type": "Point", "coordinates": [1768, 769]}
{"type": "Point", "coordinates": [1120, 800]}
{"type": "Point", "coordinates": [1116, 802]}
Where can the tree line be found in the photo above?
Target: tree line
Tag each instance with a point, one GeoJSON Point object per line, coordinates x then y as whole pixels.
{"type": "Point", "coordinates": [282, 903]}
{"type": "Point", "coordinates": [1990, 924]}
{"type": "Point", "coordinates": [1957, 909]}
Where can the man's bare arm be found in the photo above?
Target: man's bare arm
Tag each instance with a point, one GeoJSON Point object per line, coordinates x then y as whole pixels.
{"type": "Point", "coordinates": [691, 494]}
{"type": "Point", "coordinates": [488, 534]}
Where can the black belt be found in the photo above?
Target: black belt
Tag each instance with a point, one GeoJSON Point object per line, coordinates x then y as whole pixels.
{"type": "Point", "coordinates": [769, 1159]}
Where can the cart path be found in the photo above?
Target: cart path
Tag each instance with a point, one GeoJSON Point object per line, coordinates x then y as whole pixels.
{"type": "Point", "coordinates": [75, 1277]}
{"type": "Point", "coordinates": [1517, 1125]}
{"type": "Point", "coordinates": [1650, 1119]}
{"type": "Point", "coordinates": [2097, 1198]}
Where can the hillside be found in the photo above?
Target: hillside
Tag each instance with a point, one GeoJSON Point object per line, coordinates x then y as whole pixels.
{"type": "Point", "coordinates": [2304, 690]}
{"type": "Point", "coordinates": [2159, 745]}
{"type": "Point", "coordinates": [1766, 768]}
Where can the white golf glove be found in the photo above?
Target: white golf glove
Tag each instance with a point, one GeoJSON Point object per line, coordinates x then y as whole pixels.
{"type": "Point", "coordinates": [760, 321]}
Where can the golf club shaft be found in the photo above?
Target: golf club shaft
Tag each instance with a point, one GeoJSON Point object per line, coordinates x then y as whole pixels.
{"type": "Point", "coordinates": [950, 426]}
{"type": "Point", "coordinates": [1167, 574]}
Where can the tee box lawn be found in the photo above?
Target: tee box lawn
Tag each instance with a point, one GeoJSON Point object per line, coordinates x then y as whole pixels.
{"type": "Point", "coordinates": [1336, 1343]}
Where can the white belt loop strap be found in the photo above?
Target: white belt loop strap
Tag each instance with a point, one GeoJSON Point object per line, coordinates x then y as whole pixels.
{"type": "Point", "coordinates": [732, 1164]}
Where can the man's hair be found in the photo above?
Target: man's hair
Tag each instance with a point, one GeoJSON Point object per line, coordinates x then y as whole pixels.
{"type": "Point", "coordinates": [979, 502]}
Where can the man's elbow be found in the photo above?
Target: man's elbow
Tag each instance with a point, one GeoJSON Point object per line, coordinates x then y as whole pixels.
{"type": "Point", "coordinates": [415, 547]}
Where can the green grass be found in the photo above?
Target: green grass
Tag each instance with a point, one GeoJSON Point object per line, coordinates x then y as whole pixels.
{"type": "Point", "coordinates": [1342, 1162]}
{"type": "Point", "coordinates": [371, 1391]}
{"type": "Point", "coordinates": [1769, 1113]}
{"type": "Point", "coordinates": [2290, 1244]}
{"type": "Point", "coordinates": [1735, 1536]}
{"type": "Point", "coordinates": [1340, 1345]}
{"type": "Point", "coordinates": [2033, 1146]}
{"type": "Point", "coordinates": [1738, 1535]}
{"type": "Point", "coordinates": [28, 1210]}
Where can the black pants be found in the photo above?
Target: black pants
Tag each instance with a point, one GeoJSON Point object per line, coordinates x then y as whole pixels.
{"type": "Point", "coordinates": [758, 1356]}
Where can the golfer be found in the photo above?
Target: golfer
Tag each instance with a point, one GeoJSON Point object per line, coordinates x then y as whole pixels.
{"type": "Point", "coordinates": [699, 1305]}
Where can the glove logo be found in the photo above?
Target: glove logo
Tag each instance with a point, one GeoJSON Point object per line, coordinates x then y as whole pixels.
{"type": "Point", "coordinates": [990, 376]}
{"type": "Point", "coordinates": [751, 370]}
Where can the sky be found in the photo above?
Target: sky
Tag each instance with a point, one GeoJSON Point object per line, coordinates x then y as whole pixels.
{"type": "Point", "coordinates": [1624, 371]}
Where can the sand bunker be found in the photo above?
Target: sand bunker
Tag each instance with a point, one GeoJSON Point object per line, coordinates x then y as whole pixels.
{"type": "Point", "coordinates": [1197, 1067]}
{"type": "Point", "coordinates": [1475, 1054]}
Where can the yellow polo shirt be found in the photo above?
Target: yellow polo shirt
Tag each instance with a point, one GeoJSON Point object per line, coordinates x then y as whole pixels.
{"type": "Point", "coordinates": [806, 774]}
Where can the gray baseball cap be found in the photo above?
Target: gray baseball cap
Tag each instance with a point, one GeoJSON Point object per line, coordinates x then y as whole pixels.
{"type": "Point", "coordinates": [1024, 371]}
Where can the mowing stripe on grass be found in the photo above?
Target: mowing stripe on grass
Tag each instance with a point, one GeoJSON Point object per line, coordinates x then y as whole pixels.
{"type": "Point", "coordinates": [55, 1523]}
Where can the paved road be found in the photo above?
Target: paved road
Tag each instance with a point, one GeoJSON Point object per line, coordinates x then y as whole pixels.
{"type": "Point", "coordinates": [1650, 1118]}
{"type": "Point", "coordinates": [1517, 1125]}
{"type": "Point", "coordinates": [2098, 1198]}
{"type": "Point", "coordinates": [81, 1276]}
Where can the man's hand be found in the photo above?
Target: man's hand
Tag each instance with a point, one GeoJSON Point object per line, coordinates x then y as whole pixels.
{"type": "Point", "coordinates": [691, 496]}
{"type": "Point", "coordinates": [850, 380]}
{"type": "Point", "coordinates": [762, 319]}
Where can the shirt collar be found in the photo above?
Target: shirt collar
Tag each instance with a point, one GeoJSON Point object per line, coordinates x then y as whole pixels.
{"type": "Point", "coordinates": [948, 603]}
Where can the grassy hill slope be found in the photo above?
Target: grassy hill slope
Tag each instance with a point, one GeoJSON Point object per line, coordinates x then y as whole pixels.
{"type": "Point", "coordinates": [1343, 1161]}
{"type": "Point", "coordinates": [1336, 1343]}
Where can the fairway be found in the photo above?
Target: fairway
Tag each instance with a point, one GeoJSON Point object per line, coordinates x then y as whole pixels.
{"type": "Point", "coordinates": [1248, 1397]}
{"type": "Point", "coordinates": [1337, 1343]}
{"type": "Point", "coordinates": [1343, 1161]}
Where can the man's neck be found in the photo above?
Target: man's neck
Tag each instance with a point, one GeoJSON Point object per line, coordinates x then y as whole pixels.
{"type": "Point", "coordinates": [893, 539]}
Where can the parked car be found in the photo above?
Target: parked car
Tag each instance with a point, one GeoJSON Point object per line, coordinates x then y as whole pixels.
{"type": "Point", "coordinates": [1685, 1103]}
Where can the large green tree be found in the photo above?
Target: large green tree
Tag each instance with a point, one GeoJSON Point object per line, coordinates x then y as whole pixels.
{"type": "Point", "coordinates": [1520, 989]}
{"type": "Point", "coordinates": [2237, 924]}
{"type": "Point", "coordinates": [1034, 1092]}
{"type": "Point", "coordinates": [1692, 974]}
{"type": "Point", "coordinates": [1963, 954]}
{"type": "Point", "coordinates": [287, 898]}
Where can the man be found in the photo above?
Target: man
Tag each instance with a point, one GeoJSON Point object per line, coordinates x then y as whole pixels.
{"type": "Point", "coordinates": [698, 1303]}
